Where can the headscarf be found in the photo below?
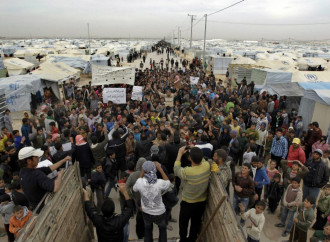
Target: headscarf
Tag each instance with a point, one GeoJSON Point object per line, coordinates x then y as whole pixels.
{"type": "Point", "coordinates": [150, 172]}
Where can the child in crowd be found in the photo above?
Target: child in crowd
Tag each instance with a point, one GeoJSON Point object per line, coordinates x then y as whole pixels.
{"type": "Point", "coordinates": [249, 153]}
{"type": "Point", "coordinates": [271, 171]}
{"type": "Point", "coordinates": [17, 138]}
{"type": "Point", "coordinates": [256, 220]}
{"type": "Point", "coordinates": [260, 178]}
{"type": "Point", "coordinates": [19, 219]}
{"type": "Point", "coordinates": [298, 170]}
{"type": "Point", "coordinates": [303, 221]}
{"type": "Point", "coordinates": [98, 184]}
{"type": "Point", "coordinates": [275, 192]}
{"type": "Point", "coordinates": [53, 128]}
{"type": "Point", "coordinates": [268, 145]}
{"type": "Point", "coordinates": [6, 210]}
{"type": "Point", "coordinates": [292, 196]}
{"type": "Point", "coordinates": [323, 208]}
{"type": "Point", "coordinates": [5, 169]}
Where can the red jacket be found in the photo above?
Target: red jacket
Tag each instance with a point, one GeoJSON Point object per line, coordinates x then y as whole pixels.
{"type": "Point", "coordinates": [296, 154]}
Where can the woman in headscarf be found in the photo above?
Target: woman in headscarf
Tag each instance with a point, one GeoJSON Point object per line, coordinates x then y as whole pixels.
{"type": "Point", "coordinates": [153, 208]}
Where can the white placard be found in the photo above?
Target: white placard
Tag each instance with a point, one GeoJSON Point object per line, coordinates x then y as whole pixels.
{"type": "Point", "coordinates": [67, 146]}
{"type": "Point", "coordinates": [194, 80]}
{"type": "Point", "coordinates": [137, 93]}
{"type": "Point", "coordinates": [102, 75]}
{"type": "Point", "coordinates": [116, 95]}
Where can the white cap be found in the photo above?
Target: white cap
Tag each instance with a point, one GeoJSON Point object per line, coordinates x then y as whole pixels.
{"type": "Point", "coordinates": [27, 152]}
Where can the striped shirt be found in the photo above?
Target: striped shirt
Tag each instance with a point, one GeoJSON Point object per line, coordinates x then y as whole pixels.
{"type": "Point", "coordinates": [195, 180]}
{"type": "Point", "coordinates": [279, 147]}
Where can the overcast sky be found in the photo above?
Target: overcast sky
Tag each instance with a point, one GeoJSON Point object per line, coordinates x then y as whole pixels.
{"type": "Point", "coordinates": [156, 19]}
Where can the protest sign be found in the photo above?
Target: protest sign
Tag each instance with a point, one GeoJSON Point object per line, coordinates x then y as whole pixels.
{"type": "Point", "coordinates": [137, 93]}
{"type": "Point", "coordinates": [116, 95]}
{"type": "Point", "coordinates": [106, 75]}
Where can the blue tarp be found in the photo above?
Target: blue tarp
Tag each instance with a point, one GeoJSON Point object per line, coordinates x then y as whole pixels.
{"type": "Point", "coordinates": [73, 62]}
{"type": "Point", "coordinates": [315, 85]}
{"type": "Point", "coordinates": [1, 64]}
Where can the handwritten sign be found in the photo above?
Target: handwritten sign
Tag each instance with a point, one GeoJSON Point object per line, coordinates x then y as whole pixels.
{"type": "Point", "coordinates": [116, 95]}
{"type": "Point", "coordinates": [137, 93]}
{"type": "Point", "coordinates": [194, 80]}
{"type": "Point", "coordinates": [103, 75]}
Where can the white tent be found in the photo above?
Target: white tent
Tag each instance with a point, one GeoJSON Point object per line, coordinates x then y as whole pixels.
{"type": "Point", "coordinates": [18, 90]}
{"type": "Point", "coordinates": [311, 76]}
{"type": "Point", "coordinates": [304, 63]}
{"type": "Point", "coordinates": [17, 66]}
{"type": "Point", "coordinates": [55, 73]}
{"type": "Point", "coordinates": [100, 60]}
{"type": "Point", "coordinates": [220, 64]}
{"type": "Point", "coordinates": [315, 106]}
{"type": "Point", "coordinates": [243, 61]}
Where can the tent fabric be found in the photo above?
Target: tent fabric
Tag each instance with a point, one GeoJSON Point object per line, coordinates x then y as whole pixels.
{"type": "Point", "coordinates": [18, 91]}
{"type": "Point", "coordinates": [321, 96]}
{"type": "Point", "coordinates": [17, 66]}
{"type": "Point", "coordinates": [304, 63]}
{"type": "Point", "coordinates": [56, 72]}
{"type": "Point", "coordinates": [322, 115]}
{"type": "Point", "coordinates": [243, 61]}
{"type": "Point", "coordinates": [266, 77]}
{"type": "Point", "coordinates": [2, 66]}
{"type": "Point", "coordinates": [315, 85]}
{"type": "Point", "coordinates": [311, 76]}
{"type": "Point", "coordinates": [71, 61]}
{"type": "Point", "coordinates": [101, 60]}
{"type": "Point", "coordinates": [305, 107]}
{"type": "Point", "coordinates": [292, 89]}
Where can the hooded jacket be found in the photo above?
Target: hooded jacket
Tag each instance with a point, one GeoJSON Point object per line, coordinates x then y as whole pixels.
{"type": "Point", "coordinates": [84, 155]}
{"type": "Point", "coordinates": [133, 178]}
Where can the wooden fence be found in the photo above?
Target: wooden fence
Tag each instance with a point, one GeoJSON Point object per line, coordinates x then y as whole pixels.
{"type": "Point", "coordinates": [62, 218]}
{"type": "Point", "coordinates": [219, 220]}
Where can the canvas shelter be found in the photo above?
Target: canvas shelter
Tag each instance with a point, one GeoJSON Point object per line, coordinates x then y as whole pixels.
{"type": "Point", "coordinates": [19, 91]}
{"type": "Point", "coordinates": [16, 66]}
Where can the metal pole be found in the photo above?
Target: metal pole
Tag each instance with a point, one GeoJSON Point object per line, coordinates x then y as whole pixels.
{"type": "Point", "coordinates": [191, 27]}
{"type": "Point", "coordinates": [173, 37]}
{"type": "Point", "coordinates": [89, 39]}
{"type": "Point", "coordinates": [178, 35]}
{"type": "Point", "coordinates": [204, 61]}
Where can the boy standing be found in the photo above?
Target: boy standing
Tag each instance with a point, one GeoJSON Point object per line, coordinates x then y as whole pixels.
{"type": "Point", "coordinates": [20, 216]}
{"type": "Point", "coordinates": [97, 184]}
{"type": "Point", "coordinates": [303, 221]}
{"type": "Point", "coordinates": [261, 178]}
{"type": "Point", "coordinates": [256, 220]}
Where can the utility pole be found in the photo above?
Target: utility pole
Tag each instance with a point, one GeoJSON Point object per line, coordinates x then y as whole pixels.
{"type": "Point", "coordinates": [178, 36]}
{"type": "Point", "coordinates": [191, 25]}
{"type": "Point", "coordinates": [89, 39]}
{"type": "Point", "coordinates": [204, 61]}
{"type": "Point", "coordinates": [173, 37]}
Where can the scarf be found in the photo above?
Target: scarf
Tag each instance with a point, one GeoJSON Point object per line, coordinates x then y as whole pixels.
{"type": "Point", "coordinates": [150, 172]}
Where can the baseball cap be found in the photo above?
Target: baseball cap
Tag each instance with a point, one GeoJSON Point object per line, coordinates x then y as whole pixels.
{"type": "Point", "coordinates": [296, 141]}
{"type": "Point", "coordinates": [154, 149]}
{"type": "Point", "coordinates": [320, 152]}
{"type": "Point", "coordinates": [27, 152]}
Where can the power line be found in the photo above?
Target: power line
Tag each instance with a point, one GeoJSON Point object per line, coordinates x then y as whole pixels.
{"type": "Point", "coordinates": [225, 8]}
{"type": "Point", "coordinates": [295, 24]}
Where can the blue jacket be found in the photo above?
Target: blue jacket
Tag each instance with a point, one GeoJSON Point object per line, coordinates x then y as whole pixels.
{"type": "Point", "coordinates": [25, 132]}
{"type": "Point", "coordinates": [261, 177]}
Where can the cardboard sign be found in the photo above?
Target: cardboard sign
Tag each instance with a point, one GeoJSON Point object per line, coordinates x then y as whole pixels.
{"type": "Point", "coordinates": [137, 93]}
{"type": "Point", "coordinates": [116, 95]}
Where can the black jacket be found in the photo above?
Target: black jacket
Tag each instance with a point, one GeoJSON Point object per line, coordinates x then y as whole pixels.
{"type": "Point", "coordinates": [318, 175]}
{"type": "Point", "coordinates": [98, 180]}
{"type": "Point", "coordinates": [235, 150]}
{"type": "Point", "coordinates": [143, 149]}
{"type": "Point", "coordinates": [111, 168]}
{"type": "Point", "coordinates": [84, 155]}
{"type": "Point", "coordinates": [110, 229]}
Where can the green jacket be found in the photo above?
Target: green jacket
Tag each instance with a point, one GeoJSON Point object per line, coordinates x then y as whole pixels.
{"type": "Point", "coordinates": [324, 203]}
{"type": "Point", "coordinates": [305, 218]}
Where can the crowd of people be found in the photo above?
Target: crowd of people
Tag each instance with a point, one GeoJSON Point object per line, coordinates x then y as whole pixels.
{"type": "Point", "coordinates": [165, 146]}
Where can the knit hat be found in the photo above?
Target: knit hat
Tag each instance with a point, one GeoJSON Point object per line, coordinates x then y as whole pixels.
{"type": "Point", "coordinates": [318, 151]}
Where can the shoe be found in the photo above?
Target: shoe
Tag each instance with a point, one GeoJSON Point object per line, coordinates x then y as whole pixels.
{"type": "Point", "coordinates": [169, 227]}
{"type": "Point", "coordinates": [173, 220]}
{"type": "Point", "coordinates": [279, 225]}
{"type": "Point", "coordinates": [285, 234]}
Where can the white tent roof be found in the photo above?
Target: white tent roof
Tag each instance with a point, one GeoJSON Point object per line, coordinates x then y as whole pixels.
{"type": "Point", "coordinates": [243, 61]}
{"type": "Point", "coordinates": [313, 62]}
{"type": "Point", "coordinates": [311, 76]}
{"type": "Point", "coordinates": [275, 64]}
{"type": "Point", "coordinates": [15, 63]}
{"type": "Point", "coordinates": [56, 71]}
